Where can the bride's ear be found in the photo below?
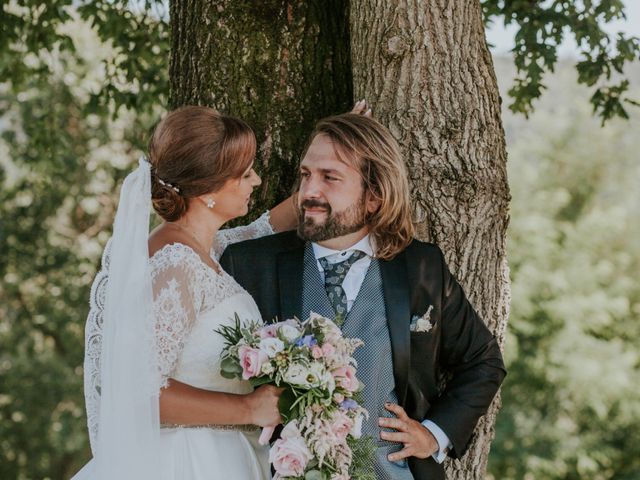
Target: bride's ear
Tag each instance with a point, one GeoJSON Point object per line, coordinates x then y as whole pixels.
{"type": "Point", "coordinates": [208, 200]}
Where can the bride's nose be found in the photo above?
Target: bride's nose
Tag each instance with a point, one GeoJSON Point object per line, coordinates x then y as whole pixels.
{"type": "Point", "coordinates": [256, 179]}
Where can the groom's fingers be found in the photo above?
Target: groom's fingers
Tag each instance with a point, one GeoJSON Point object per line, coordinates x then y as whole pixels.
{"type": "Point", "coordinates": [394, 423]}
{"type": "Point", "coordinates": [400, 437]}
{"type": "Point", "coordinates": [406, 452]}
{"type": "Point", "coordinates": [397, 410]}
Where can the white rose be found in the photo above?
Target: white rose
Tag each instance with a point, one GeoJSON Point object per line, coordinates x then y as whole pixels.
{"type": "Point", "coordinates": [316, 374]}
{"type": "Point", "coordinates": [289, 332]}
{"type": "Point", "coordinates": [328, 381]}
{"type": "Point", "coordinates": [271, 346]}
{"type": "Point", "coordinates": [296, 374]}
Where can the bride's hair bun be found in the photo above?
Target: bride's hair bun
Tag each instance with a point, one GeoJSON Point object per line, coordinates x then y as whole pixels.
{"type": "Point", "coordinates": [167, 203]}
{"type": "Point", "coordinates": [194, 151]}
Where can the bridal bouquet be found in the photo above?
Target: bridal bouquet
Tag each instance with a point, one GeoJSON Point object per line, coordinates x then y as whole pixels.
{"type": "Point", "coordinates": [313, 362]}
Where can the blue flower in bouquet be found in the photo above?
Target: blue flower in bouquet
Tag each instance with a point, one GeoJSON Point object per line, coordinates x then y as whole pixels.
{"type": "Point", "coordinates": [349, 404]}
{"type": "Point", "coordinates": [306, 341]}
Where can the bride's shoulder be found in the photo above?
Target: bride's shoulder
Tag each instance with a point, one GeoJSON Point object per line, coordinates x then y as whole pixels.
{"type": "Point", "coordinates": [170, 248]}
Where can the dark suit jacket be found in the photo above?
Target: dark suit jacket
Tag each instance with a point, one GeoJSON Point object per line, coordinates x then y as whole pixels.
{"type": "Point", "coordinates": [459, 343]}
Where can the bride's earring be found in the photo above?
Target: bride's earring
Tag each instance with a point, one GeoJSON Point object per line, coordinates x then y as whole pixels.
{"type": "Point", "coordinates": [211, 203]}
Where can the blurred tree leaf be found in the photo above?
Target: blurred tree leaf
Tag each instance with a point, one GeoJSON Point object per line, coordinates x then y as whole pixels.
{"type": "Point", "coordinates": [137, 32]}
{"type": "Point", "coordinates": [543, 25]}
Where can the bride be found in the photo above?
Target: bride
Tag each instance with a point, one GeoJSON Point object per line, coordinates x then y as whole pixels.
{"type": "Point", "coordinates": [157, 405]}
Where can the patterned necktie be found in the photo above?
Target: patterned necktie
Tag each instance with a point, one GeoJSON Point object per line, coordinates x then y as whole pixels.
{"type": "Point", "coordinates": [334, 274]}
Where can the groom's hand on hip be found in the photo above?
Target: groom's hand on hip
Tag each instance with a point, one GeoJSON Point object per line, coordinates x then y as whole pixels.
{"type": "Point", "coordinates": [417, 439]}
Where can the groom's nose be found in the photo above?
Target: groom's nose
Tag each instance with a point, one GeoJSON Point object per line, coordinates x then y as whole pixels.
{"type": "Point", "coordinates": [310, 188]}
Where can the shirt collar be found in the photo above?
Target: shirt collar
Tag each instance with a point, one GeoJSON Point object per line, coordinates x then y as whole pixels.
{"type": "Point", "coordinates": [364, 245]}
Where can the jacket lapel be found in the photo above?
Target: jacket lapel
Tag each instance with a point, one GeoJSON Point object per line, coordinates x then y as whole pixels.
{"type": "Point", "coordinates": [290, 271]}
{"type": "Point", "coordinates": [397, 298]}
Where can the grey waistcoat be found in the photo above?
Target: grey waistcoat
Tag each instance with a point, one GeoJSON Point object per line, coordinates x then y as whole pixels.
{"type": "Point", "coordinates": [366, 320]}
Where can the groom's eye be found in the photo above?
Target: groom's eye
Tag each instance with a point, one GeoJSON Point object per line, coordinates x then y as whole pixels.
{"type": "Point", "coordinates": [330, 178]}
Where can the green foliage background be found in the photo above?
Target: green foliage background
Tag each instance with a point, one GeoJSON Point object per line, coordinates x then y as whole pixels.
{"type": "Point", "coordinates": [571, 403]}
{"type": "Point", "coordinates": [61, 162]}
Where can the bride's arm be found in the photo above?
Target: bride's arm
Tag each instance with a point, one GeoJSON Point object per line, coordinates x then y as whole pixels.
{"type": "Point", "coordinates": [176, 303]}
{"type": "Point", "coordinates": [284, 216]}
{"type": "Point", "coordinates": [280, 218]}
{"type": "Point", "coordinates": [182, 404]}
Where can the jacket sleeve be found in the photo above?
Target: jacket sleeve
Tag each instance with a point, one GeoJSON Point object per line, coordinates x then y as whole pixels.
{"type": "Point", "coordinates": [470, 353]}
{"type": "Point", "coordinates": [226, 261]}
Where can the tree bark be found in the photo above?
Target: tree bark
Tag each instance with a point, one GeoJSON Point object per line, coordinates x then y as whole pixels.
{"type": "Point", "coordinates": [279, 65]}
{"type": "Point", "coordinates": [426, 69]}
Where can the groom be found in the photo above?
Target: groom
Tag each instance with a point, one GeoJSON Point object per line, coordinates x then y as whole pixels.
{"type": "Point", "coordinates": [354, 258]}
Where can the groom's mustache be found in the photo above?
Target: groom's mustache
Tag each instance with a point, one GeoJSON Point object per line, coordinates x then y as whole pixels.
{"type": "Point", "coordinates": [315, 204]}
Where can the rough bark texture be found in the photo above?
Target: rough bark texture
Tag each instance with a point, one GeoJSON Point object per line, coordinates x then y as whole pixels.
{"type": "Point", "coordinates": [279, 65]}
{"type": "Point", "coordinates": [426, 69]}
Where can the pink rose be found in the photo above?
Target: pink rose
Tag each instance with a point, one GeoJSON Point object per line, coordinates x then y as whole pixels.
{"type": "Point", "coordinates": [328, 349]}
{"type": "Point", "coordinates": [289, 455]}
{"type": "Point", "coordinates": [251, 360]}
{"type": "Point", "coordinates": [316, 352]}
{"type": "Point", "coordinates": [346, 378]}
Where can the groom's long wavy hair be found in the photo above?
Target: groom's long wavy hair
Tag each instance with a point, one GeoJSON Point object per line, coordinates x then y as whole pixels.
{"type": "Point", "coordinates": [366, 145]}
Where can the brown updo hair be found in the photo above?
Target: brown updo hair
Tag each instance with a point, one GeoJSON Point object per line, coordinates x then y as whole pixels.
{"type": "Point", "coordinates": [196, 150]}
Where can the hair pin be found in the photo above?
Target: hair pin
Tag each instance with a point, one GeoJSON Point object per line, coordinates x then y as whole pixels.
{"type": "Point", "coordinates": [167, 184]}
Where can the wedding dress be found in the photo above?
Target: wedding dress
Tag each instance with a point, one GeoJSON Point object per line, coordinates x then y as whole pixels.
{"type": "Point", "coordinates": [190, 301]}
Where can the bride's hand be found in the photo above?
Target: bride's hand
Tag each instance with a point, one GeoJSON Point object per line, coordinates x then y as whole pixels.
{"type": "Point", "coordinates": [361, 108]}
{"type": "Point", "coordinates": [263, 406]}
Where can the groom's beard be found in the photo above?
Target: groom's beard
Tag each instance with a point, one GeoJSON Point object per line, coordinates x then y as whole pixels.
{"type": "Point", "coordinates": [335, 224]}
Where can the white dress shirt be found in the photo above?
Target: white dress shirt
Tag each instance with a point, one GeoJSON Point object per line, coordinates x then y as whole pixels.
{"type": "Point", "coordinates": [351, 286]}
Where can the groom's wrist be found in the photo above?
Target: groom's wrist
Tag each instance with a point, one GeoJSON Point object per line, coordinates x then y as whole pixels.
{"type": "Point", "coordinates": [441, 438]}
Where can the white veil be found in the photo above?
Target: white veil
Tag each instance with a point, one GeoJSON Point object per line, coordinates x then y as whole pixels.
{"type": "Point", "coordinates": [122, 380]}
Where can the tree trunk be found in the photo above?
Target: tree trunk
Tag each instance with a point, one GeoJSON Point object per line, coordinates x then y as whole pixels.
{"type": "Point", "coordinates": [279, 65]}
{"type": "Point", "coordinates": [426, 69]}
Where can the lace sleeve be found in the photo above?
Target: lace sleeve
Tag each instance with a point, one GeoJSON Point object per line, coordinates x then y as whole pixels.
{"type": "Point", "coordinates": [176, 303]}
{"type": "Point", "coordinates": [261, 227]}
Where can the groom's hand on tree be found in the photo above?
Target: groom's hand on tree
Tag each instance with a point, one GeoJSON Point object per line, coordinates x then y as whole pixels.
{"type": "Point", "coordinates": [417, 439]}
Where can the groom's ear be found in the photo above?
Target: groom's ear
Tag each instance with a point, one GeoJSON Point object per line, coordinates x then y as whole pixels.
{"type": "Point", "coordinates": [373, 202]}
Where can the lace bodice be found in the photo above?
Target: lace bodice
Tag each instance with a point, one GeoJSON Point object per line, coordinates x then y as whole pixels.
{"type": "Point", "coordinates": [188, 292]}
{"type": "Point", "coordinates": [191, 301]}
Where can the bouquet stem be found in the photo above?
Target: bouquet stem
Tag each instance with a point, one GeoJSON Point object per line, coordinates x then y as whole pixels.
{"type": "Point", "coordinates": [265, 436]}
